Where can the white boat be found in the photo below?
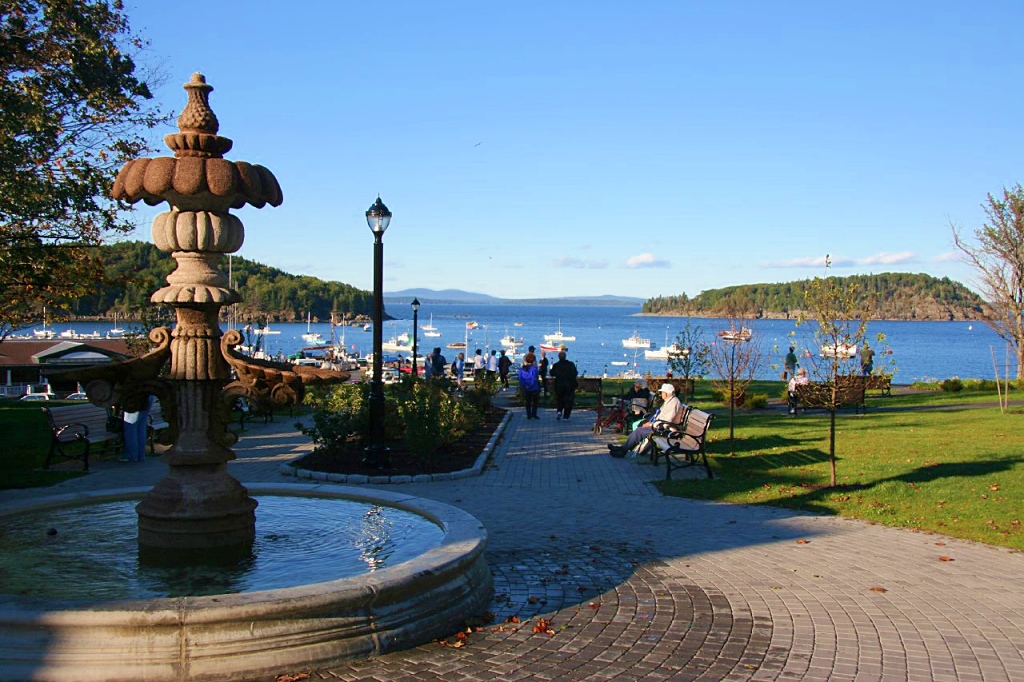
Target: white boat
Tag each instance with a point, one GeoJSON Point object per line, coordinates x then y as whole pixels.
{"type": "Point", "coordinates": [558, 336]}
{"type": "Point", "coordinates": [367, 327]}
{"type": "Point", "coordinates": [843, 351]}
{"type": "Point", "coordinates": [552, 348]}
{"type": "Point", "coordinates": [430, 326]}
{"type": "Point", "coordinates": [264, 331]}
{"type": "Point", "coordinates": [509, 341]}
{"type": "Point", "coordinates": [398, 344]}
{"type": "Point", "coordinates": [69, 334]}
{"type": "Point", "coordinates": [116, 331]}
{"type": "Point", "coordinates": [636, 342]}
{"type": "Point", "coordinates": [742, 334]}
{"type": "Point", "coordinates": [311, 336]}
{"type": "Point", "coordinates": [664, 353]}
{"type": "Point", "coordinates": [517, 324]}
{"type": "Point", "coordinates": [620, 363]}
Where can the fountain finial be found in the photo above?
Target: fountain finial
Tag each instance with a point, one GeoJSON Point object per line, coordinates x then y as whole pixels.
{"type": "Point", "coordinates": [197, 116]}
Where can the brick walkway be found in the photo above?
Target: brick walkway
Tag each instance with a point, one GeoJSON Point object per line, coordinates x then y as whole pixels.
{"type": "Point", "coordinates": [638, 586]}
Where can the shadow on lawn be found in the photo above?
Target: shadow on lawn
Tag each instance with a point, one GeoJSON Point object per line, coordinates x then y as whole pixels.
{"type": "Point", "coordinates": [811, 499]}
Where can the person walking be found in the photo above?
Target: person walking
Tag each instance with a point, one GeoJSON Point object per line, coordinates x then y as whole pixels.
{"type": "Point", "coordinates": [459, 369]}
{"type": "Point", "coordinates": [530, 385]}
{"type": "Point", "coordinates": [542, 371]}
{"type": "Point", "coordinates": [790, 364]}
{"type": "Point", "coordinates": [867, 359]}
{"type": "Point", "coordinates": [504, 363]}
{"type": "Point", "coordinates": [492, 365]}
{"type": "Point", "coordinates": [428, 366]}
{"type": "Point", "coordinates": [563, 375]}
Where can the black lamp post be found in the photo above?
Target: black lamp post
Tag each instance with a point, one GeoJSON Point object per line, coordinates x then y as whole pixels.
{"type": "Point", "coordinates": [415, 333]}
{"type": "Point", "coordinates": [378, 217]}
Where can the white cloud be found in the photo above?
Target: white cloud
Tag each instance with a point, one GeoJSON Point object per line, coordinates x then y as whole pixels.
{"type": "Point", "coordinates": [882, 258]}
{"type": "Point", "coordinates": [886, 258]}
{"type": "Point", "coordinates": [647, 260]}
{"type": "Point", "coordinates": [579, 263]}
{"type": "Point", "coordinates": [948, 257]}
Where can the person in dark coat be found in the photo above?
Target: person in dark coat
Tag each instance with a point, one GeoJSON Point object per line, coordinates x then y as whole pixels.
{"type": "Point", "coordinates": [503, 366]}
{"type": "Point", "coordinates": [563, 375]}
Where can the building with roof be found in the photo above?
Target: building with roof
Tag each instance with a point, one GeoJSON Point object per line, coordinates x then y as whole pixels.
{"type": "Point", "coordinates": [26, 365]}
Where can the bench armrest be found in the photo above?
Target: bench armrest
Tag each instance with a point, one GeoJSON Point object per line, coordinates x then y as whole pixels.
{"type": "Point", "coordinates": [71, 430]}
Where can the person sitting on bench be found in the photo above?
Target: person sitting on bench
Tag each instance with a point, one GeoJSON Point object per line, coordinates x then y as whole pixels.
{"type": "Point", "coordinates": [638, 399]}
{"type": "Point", "coordinates": [799, 379]}
{"type": "Point", "coordinates": [672, 411]}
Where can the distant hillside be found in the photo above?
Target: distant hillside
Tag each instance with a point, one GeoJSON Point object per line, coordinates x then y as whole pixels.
{"type": "Point", "coordinates": [135, 269]}
{"type": "Point", "coordinates": [458, 296]}
{"type": "Point", "coordinates": [887, 296]}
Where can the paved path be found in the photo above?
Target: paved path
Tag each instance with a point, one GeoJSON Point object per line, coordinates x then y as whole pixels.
{"type": "Point", "coordinates": [638, 586]}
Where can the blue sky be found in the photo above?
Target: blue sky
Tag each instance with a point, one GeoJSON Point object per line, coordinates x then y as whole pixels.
{"type": "Point", "coordinates": [577, 148]}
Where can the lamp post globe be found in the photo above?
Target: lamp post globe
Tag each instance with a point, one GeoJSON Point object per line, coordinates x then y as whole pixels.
{"type": "Point", "coordinates": [378, 217]}
{"type": "Point", "coordinates": [415, 333]}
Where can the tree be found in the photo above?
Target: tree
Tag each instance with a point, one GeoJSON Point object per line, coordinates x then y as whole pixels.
{"type": "Point", "coordinates": [832, 307]}
{"type": "Point", "coordinates": [72, 110]}
{"type": "Point", "coordinates": [692, 363]}
{"type": "Point", "coordinates": [997, 255]}
{"type": "Point", "coordinates": [735, 358]}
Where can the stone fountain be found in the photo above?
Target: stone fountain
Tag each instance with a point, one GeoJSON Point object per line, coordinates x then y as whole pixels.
{"type": "Point", "coordinates": [199, 510]}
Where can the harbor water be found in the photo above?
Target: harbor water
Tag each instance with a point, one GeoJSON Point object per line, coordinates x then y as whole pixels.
{"type": "Point", "coordinates": [921, 351]}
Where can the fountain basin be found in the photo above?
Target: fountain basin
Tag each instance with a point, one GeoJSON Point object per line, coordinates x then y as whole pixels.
{"type": "Point", "coordinates": [252, 634]}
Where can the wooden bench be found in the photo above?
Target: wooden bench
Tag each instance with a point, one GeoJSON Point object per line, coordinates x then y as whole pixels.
{"type": "Point", "coordinates": [850, 391]}
{"type": "Point", "coordinates": [84, 425]}
{"type": "Point", "coordinates": [156, 424]}
{"type": "Point", "coordinates": [879, 382]}
{"type": "Point", "coordinates": [683, 446]}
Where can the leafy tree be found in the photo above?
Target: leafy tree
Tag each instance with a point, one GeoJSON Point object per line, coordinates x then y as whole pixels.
{"type": "Point", "coordinates": [997, 254]}
{"type": "Point", "coordinates": [832, 308]}
{"type": "Point", "coordinates": [693, 362]}
{"type": "Point", "coordinates": [72, 110]}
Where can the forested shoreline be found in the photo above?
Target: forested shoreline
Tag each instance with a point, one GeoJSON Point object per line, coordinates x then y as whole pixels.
{"type": "Point", "coordinates": [886, 296]}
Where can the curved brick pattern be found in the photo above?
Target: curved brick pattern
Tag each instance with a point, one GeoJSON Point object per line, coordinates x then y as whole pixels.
{"type": "Point", "coordinates": [686, 590]}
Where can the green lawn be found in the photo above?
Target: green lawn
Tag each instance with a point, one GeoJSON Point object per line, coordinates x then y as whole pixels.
{"type": "Point", "coordinates": [25, 442]}
{"type": "Point", "coordinates": [931, 465]}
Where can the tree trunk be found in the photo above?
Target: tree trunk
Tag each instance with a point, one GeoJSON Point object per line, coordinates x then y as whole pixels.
{"type": "Point", "coordinates": [832, 444]}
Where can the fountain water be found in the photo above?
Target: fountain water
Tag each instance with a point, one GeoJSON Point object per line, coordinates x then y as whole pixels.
{"type": "Point", "coordinates": [199, 509]}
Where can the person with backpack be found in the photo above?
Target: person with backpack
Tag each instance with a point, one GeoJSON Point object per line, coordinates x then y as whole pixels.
{"type": "Point", "coordinates": [530, 385]}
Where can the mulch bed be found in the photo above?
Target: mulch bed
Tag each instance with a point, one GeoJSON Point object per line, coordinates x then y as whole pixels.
{"type": "Point", "coordinates": [401, 462]}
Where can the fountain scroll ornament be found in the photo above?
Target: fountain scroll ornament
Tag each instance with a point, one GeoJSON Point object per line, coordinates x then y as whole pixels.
{"type": "Point", "coordinates": [198, 506]}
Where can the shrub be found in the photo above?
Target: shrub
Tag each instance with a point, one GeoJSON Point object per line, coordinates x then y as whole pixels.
{"type": "Point", "coordinates": [953, 385]}
{"type": "Point", "coordinates": [338, 412]}
{"type": "Point", "coordinates": [484, 388]}
{"type": "Point", "coordinates": [757, 401]}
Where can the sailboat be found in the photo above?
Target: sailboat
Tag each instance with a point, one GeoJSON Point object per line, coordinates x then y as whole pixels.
{"type": "Point", "coordinates": [665, 352]}
{"type": "Point", "coordinates": [558, 336]}
{"type": "Point", "coordinates": [311, 336]}
{"type": "Point", "coordinates": [45, 332]}
{"type": "Point", "coordinates": [116, 331]}
{"type": "Point", "coordinates": [430, 329]}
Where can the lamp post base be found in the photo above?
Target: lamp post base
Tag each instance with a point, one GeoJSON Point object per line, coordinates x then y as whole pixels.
{"type": "Point", "coordinates": [378, 456]}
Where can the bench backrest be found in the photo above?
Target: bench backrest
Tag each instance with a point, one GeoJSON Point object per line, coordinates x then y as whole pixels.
{"type": "Point", "coordinates": [90, 416]}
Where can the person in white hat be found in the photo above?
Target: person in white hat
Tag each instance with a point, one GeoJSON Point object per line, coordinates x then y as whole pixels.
{"type": "Point", "coordinates": [671, 411]}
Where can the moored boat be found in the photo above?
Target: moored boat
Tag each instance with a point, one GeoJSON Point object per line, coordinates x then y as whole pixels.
{"type": "Point", "coordinates": [558, 336]}
{"type": "Point", "coordinates": [636, 341]}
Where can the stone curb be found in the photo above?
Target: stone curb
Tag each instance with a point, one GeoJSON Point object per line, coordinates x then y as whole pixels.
{"type": "Point", "coordinates": [356, 479]}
